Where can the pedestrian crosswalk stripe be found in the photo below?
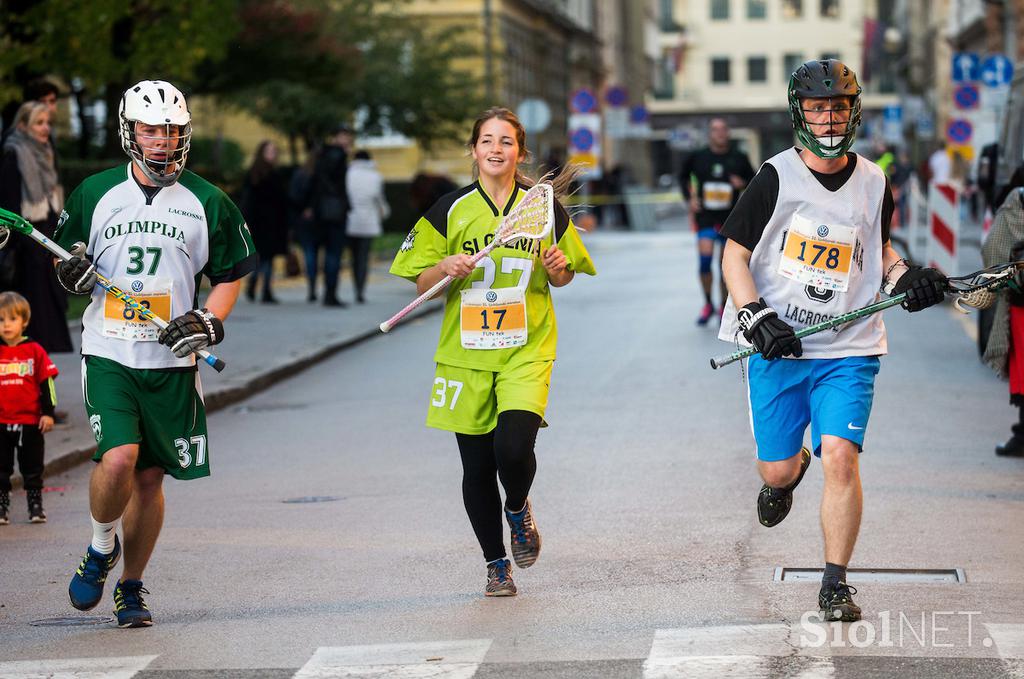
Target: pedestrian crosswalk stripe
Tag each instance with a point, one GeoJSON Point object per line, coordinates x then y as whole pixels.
{"type": "Point", "coordinates": [76, 668]}
{"type": "Point", "coordinates": [1008, 639]}
{"type": "Point", "coordinates": [439, 659]}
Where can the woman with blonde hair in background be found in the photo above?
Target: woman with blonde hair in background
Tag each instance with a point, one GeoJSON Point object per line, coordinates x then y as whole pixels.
{"type": "Point", "coordinates": [29, 185]}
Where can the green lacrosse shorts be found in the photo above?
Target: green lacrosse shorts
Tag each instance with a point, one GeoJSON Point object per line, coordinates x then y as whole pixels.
{"type": "Point", "coordinates": [468, 401]}
{"type": "Point", "coordinates": [162, 411]}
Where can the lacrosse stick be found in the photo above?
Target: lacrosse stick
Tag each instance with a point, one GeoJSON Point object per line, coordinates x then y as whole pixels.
{"type": "Point", "coordinates": [976, 290]}
{"type": "Point", "coordinates": [11, 221]}
{"type": "Point", "coordinates": [532, 218]}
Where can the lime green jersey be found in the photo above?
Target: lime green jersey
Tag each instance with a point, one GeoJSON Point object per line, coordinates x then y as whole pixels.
{"type": "Point", "coordinates": [464, 221]}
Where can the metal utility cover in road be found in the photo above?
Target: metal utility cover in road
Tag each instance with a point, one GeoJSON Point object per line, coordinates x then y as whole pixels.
{"type": "Point", "coordinates": [953, 576]}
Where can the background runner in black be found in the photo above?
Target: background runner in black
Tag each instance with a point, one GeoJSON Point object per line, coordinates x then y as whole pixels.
{"type": "Point", "coordinates": [720, 173]}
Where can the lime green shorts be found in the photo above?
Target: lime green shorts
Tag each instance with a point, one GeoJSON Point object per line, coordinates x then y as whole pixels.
{"type": "Point", "coordinates": [160, 410]}
{"type": "Point", "coordinates": [468, 401]}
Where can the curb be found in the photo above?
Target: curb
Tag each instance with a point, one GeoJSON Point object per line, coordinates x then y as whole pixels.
{"type": "Point", "coordinates": [221, 399]}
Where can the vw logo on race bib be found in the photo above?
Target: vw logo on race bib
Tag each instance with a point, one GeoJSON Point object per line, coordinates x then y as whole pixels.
{"type": "Point", "coordinates": [822, 231]}
{"type": "Point", "coordinates": [491, 296]}
{"type": "Point", "coordinates": [136, 286]}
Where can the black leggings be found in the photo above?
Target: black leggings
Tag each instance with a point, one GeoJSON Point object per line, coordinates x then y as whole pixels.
{"type": "Point", "coordinates": [506, 452]}
{"type": "Point", "coordinates": [26, 442]}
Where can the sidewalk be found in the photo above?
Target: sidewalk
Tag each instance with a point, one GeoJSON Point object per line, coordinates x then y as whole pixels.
{"type": "Point", "coordinates": [263, 344]}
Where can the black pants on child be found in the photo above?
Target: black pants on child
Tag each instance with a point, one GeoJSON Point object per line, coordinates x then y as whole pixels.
{"type": "Point", "coordinates": [506, 453]}
{"type": "Point", "coordinates": [27, 441]}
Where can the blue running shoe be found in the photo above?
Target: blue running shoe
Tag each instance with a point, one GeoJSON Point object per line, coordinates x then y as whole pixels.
{"type": "Point", "coordinates": [525, 536]}
{"type": "Point", "coordinates": [86, 588]}
{"type": "Point", "coordinates": [131, 610]}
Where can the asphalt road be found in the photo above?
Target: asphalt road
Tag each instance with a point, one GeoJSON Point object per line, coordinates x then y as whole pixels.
{"type": "Point", "coordinates": [653, 565]}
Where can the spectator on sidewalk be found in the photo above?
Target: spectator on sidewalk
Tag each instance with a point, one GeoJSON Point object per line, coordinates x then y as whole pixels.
{"type": "Point", "coordinates": [328, 206]}
{"type": "Point", "coordinates": [304, 227]}
{"type": "Point", "coordinates": [1004, 351]}
{"type": "Point", "coordinates": [27, 402]}
{"type": "Point", "coordinates": [29, 186]}
{"type": "Point", "coordinates": [367, 209]}
{"type": "Point", "coordinates": [265, 208]}
{"type": "Point", "coordinates": [940, 166]}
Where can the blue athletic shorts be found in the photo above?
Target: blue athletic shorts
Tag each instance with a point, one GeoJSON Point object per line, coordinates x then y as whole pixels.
{"type": "Point", "coordinates": [833, 395]}
{"type": "Point", "coordinates": [711, 233]}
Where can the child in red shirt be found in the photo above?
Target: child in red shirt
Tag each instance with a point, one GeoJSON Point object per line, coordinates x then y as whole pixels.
{"type": "Point", "coordinates": [27, 402]}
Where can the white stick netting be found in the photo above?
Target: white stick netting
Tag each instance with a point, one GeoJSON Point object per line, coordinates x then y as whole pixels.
{"type": "Point", "coordinates": [532, 217]}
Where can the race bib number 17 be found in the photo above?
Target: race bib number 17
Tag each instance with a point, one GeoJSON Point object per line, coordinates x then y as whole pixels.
{"type": "Point", "coordinates": [493, 319]}
{"type": "Point", "coordinates": [818, 254]}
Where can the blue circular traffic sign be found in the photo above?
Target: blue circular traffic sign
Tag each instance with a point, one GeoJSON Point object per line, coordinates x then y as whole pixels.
{"type": "Point", "coordinates": [966, 96]}
{"type": "Point", "coordinates": [583, 101]}
{"type": "Point", "coordinates": [582, 139]}
{"type": "Point", "coordinates": [959, 131]}
{"type": "Point", "coordinates": [616, 96]}
{"type": "Point", "coordinates": [639, 115]}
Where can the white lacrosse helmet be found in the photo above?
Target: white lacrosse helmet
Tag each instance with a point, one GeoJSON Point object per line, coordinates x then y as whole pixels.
{"type": "Point", "coordinates": [160, 104]}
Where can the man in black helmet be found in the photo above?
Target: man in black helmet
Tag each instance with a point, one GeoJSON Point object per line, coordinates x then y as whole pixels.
{"type": "Point", "coordinates": [809, 240]}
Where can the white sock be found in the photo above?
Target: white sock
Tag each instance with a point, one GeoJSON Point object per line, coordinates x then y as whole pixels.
{"type": "Point", "coordinates": [103, 535]}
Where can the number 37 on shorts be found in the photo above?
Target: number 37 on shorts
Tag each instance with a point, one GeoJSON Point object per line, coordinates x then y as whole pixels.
{"type": "Point", "coordinates": [468, 401]}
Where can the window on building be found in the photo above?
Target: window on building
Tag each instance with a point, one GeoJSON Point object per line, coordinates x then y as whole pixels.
{"type": "Point", "coordinates": [757, 9]}
{"type": "Point", "coordinates": [720, 9]}
{"type": "Point", "coordinates": [830, 9]}
{"type": "Point", "coordinates": [757, 69]}
{"type": "Point", "coordinates": [720, 70]}
{"type": "Point", "coordinates": [792, 9]}
{"type": "Point", "coordinates": [790, 62]}
{"type": "Point", "coordinates": [667, 17]}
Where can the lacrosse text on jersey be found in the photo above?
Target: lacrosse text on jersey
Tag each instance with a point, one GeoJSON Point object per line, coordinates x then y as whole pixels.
{"type": "Point", "coordinates": [493, 319]}
{"type": "Point", "coordinates": [155, 249]}
{"type": "Point", "coordinates": [818, 254]}
{"type": "Point", "coordinates": [518, 325]}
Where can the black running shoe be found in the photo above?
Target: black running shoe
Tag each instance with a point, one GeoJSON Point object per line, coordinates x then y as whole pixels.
{"type": "Point", "coordinates": [836, 603]}
{"type": "Point", "coordinates": [129, 606]}
{"type": "Point", "coordinates": [773, 504]}
{"type": "Point", "coordinates": [499, 579]}
{"type": "Point", "coordinates": [35, 507]}
{"type": "Point", "coordinates": [525, 536]}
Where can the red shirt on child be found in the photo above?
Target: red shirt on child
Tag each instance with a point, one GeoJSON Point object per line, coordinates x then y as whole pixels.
{"type": "Point", "coordinates": [23, 370]}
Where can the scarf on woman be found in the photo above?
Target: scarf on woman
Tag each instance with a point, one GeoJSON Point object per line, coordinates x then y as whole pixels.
{"type": "Point", "coordinates": [35, 163]}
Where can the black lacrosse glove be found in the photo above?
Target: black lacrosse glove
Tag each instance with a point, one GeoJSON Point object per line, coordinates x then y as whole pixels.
{"type": "Point", "coordinates": [924, 287]}
{"type": "Point", "coordinates": [769, 334]}
{"type": "Point", "coordinates": [192, 331]}
{"type": "Point", "coordinates": [77, 275]}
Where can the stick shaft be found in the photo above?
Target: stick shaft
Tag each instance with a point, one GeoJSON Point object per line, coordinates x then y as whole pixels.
{"type": "Point", "coordinates": [842, 319]}
{"type": "Point", "coordinates": [434, 289]}
{"type": "Point", "coordinates": [121, 295]}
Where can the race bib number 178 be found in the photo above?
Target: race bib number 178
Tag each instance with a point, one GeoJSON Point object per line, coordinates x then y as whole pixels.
{"type": "Point", "coordinates": [818, 254]}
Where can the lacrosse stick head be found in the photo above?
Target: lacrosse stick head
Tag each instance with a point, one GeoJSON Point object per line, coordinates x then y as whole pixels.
{"type": "Point", "coordinates": [12, 221]}
{"type": "Point", "coordinates": [533, 217]}
{"type": "Point", "coordinates": [978, 290]}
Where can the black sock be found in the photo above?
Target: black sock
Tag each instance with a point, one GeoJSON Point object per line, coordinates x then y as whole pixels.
{"type": "Point", "coordinates": [834, 574]}
{"type": "Point", "coordinates": [707, 298]}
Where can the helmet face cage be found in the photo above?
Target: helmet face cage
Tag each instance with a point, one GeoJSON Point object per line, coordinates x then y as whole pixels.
{"type": "Point", "coordinates": [161, 153]}
{"type": "Point", "coordinates": [825, 79]}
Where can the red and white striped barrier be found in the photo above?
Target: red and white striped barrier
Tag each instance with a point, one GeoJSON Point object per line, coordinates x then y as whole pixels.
{"type": "Point", "coordinates": [943, 227]}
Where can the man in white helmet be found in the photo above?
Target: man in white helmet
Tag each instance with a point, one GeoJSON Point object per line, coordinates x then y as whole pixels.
{"type": "Point", "coordinates": [809, 240]}
{"type": "Point", "coordinates": [154, 229]}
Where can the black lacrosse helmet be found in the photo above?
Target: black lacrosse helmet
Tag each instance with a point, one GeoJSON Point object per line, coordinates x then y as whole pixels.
{"type": "Point", "coordinates": [821, 78]}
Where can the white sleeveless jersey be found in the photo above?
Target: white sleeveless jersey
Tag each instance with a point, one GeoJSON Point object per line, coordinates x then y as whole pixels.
{"type": "Point", "coordinates": [155, 250]}
{"type": "Point", "coordinates": [821, 256]}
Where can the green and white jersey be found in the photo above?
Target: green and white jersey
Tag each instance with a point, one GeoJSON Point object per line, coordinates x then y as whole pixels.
{"type": "Point", "coordinates": [463, 222]}
{"type": "Point", "coordinates": [156, 249]}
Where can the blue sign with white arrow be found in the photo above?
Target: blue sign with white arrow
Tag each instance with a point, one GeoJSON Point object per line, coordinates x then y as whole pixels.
{"type": "Point", "coordinates": [966, 66]}
{"type": "Point", "coordinates": [996, 70]}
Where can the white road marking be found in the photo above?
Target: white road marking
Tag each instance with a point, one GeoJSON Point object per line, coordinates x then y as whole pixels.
{"type": "Point", "coordinates": [76, 668]}
{"type": "Point", "coordinates": [447, 659]}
